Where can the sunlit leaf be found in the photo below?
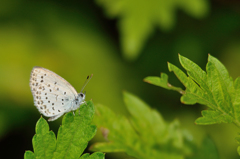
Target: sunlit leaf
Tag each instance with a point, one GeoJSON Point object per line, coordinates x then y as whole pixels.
{"type": "Point", "coordinates": [213, 88]}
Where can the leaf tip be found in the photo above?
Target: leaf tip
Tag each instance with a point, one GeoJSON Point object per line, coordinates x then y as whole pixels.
{"type": "Point", "coordinates": [209, 56]}
{"type": "Point", "coordinates": [147, 81]}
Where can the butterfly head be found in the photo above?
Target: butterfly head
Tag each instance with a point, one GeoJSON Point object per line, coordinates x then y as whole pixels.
{"type": "Point", "coordinates": [82, 96]}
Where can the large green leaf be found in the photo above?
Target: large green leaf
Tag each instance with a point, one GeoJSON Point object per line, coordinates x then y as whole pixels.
{"type": "Point", "coordinates": [144, 135]}
{"type": "Point", "coordinates": [72, 139]}
{"type": "Point", "coordinates": [137, 19]}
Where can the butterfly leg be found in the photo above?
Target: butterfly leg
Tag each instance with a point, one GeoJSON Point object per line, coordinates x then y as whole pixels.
{"type": "Point", "coordinates": [55, 117]}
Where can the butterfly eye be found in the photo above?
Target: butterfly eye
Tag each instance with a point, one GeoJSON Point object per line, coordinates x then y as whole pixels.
{"type": "Point", "coordinates": [81, 95]}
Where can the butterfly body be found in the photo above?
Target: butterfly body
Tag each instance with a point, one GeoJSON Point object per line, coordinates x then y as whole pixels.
{"type": "Point", "coordinates": [53, 96]}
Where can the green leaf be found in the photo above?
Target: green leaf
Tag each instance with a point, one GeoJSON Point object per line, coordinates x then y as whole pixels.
{"type": "Point", "coordinates": [144, 135]}
{"type": "Point", "coordinates": [75, 132]}
{"type": "Point", "coordinates": [29, 155]}
{"type": "Point", "coordinates": [137, 19]}
{"type": "Point", "coordinates": [162, 82]}
{"type": "Point", "coordinates": [44, 141]}
{"type": "Point", "coordinates": [208, 149]}
{"type": "Point", "coordinates": [140, 112]}
{"type": "Point", "coordinates": [72, 139]}
{"type": "Point", "coordinates": [213, 88]}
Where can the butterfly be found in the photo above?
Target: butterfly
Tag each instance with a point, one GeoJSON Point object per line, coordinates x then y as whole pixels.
{"type": "Point", "coordinates": [53, 96]}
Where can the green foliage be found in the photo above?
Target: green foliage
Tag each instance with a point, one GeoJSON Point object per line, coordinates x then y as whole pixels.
{"type": "Point", "coordinates": [144, 135]}
{"type": "Point", "coordinates": [138, 18]}
{"type": "Point", "coordinates": [213, 88]}
{"type": "Point", "coordinates": [72, 139]}
{"type": "Point", "coordinates": [207, 150]}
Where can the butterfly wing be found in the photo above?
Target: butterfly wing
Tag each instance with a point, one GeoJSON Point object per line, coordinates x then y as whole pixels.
{"type": "Point", "coordinates": [52, 94]}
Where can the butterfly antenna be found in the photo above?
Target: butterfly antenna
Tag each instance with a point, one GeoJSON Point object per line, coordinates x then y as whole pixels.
{"type": "Point", "coordinates": [86, 82]}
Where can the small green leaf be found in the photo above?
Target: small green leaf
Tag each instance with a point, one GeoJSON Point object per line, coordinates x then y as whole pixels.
{"type": "Point", "coordinates": [144, 135]}
{"type": "Point", "coordinates": [73, 136]}
{"type": "Point", "coordinates": [29, 155]}
{"type": "Point", "coordinates": [44, 142]}
{"type": "Point", "coordinates": [162, 82]}
{"type": "Point", "coordinates": [194, 71]}
{"type": "Point", "coordinates": [193, 93]}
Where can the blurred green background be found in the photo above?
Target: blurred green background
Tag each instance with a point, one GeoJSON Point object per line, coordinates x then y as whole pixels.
{"type": "Point", "coordinates": [120, 42]}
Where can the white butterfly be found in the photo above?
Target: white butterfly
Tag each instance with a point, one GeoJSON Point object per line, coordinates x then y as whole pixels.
{"type": "Point", "coordinates": [53, 95]}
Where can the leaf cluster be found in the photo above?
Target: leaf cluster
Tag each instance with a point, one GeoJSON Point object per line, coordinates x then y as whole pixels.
{"type": "Point", "coordinates": [144, 135]}
{"type": "Point", "coordinates": [72, 139]}
{"type": "Point", "coordinates": [213, 88]}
